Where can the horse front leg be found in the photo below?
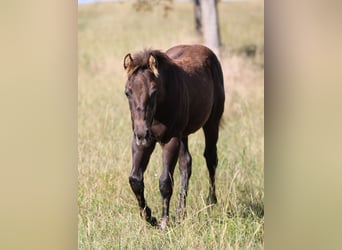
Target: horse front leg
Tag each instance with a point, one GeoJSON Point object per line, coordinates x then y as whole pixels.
{"type": "Point", "coordinates": [141, 156]}
{"type": "Point", "coordinates": [170, 156]}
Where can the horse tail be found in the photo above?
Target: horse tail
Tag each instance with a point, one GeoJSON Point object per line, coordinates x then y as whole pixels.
{"type": "Point", "coordinates": [218, 81]}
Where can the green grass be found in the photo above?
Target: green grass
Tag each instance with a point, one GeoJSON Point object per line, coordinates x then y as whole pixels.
{"type": "Point", "coordinates": [108, 212]}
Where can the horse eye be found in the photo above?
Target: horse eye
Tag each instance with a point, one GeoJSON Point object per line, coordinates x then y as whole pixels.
{"type": "Point", "coordinates": [127, 93]}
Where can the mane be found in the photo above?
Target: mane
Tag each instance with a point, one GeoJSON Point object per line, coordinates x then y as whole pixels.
{"type": "Point", "coordinates": [140, 59]}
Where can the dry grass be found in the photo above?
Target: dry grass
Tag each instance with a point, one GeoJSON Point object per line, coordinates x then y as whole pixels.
{"type": "Point", "coordinates": [108, 213]}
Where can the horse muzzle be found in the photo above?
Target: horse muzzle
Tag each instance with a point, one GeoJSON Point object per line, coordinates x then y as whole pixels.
{"type": "Point", "coordinates": [143, 139]}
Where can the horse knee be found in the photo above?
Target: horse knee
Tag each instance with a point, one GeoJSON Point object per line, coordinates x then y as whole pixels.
{"type": "Point", "coordinates": [186, 163]}
{"type": "Point", "coordinates": [188, 160]}
{"type": "Point", "coordinates": [165, 186]}
{"type": "Point", "coordinates": [136, 183]}
{"type": "Point", "coordinates": [211, 157]}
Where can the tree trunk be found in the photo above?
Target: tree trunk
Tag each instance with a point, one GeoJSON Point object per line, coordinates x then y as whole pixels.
{"type": "Point", "coordinates": [211, 29]}
{"type": "Point", "coordinates": [198, 17]}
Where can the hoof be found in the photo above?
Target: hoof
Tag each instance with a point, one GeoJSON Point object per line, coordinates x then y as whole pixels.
{"type": "Point", "coordinates": [163, 223]}
{"type": "Point", "coordinates": [153, 221]}
{"type": "Point", "coordinates": [211, 200]}
{"type": "Point", "coordinates": [146, 214]}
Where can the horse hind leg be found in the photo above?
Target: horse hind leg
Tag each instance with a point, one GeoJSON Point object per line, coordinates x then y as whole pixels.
{"type": "Point", "coordinates": [185, 162]}
{"type": "Point", "coordinates": [210, 153]}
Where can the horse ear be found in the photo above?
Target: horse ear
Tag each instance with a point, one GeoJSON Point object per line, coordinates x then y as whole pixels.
{"type": "Point", "coordinates": [128, 63]}
{"type": "Point", "coordinates": [153, 64]}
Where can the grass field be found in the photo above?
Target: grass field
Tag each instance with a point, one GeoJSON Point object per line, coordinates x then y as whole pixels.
{"type": "Point", "coordinates": [108, 212]}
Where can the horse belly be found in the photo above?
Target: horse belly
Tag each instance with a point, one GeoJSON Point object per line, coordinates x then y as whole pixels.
{"type": "Point", "coordinates": [200, 106]}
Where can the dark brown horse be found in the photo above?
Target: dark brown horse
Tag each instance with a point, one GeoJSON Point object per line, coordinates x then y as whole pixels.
{"type": "Point", "coordinates": [172, 95]}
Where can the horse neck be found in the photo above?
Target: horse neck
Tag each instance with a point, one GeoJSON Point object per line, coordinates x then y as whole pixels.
{"type": "Point", "coordinates": [173, 107]}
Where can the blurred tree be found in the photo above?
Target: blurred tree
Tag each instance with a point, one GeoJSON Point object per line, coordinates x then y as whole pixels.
{"type": "Point", "coordinates": [147, 5]}
{"type": "Point", "coordinates": [198, 17]}
{"type": "Point", "coordinates": [206, 19]}
{"type": "Point", "coordinates": [210, 25]}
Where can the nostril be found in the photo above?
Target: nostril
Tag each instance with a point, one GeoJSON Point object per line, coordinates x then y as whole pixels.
{"type": "Point", "coordinates": [142, 135]}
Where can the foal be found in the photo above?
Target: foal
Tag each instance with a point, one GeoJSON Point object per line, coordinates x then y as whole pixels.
{"type": "Point", "coordinates": [172, 95]}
